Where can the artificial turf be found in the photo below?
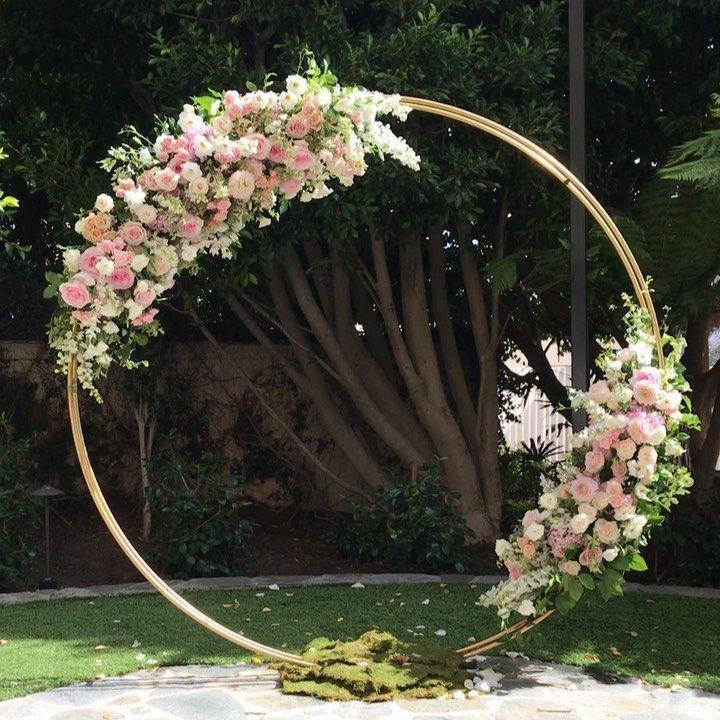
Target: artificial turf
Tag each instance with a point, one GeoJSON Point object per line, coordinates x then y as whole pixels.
{"type": "Point", "coordinates": [663, 639]}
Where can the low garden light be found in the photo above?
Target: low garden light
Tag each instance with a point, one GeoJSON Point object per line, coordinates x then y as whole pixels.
{"type": "Point", "coordinates": [47, 493]}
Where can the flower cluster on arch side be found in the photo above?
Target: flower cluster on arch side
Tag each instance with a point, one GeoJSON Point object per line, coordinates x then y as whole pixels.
{"type": "Point", "coordinates": [229, 160]}
{"type": "Point", "coordinates": [620, 478]}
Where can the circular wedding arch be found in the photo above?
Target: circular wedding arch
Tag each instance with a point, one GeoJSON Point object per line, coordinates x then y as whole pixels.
{"type": "Point", "coordinates": [549, 164]}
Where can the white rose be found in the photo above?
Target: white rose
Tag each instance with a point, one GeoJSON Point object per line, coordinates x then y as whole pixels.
{"type": "Point", "coordinates": [534, 531]}
{"type": "Point", "coordinates": [526, 608]}
{"type": "Point", "coordinates": [634, 527]}
{"type": "Point", "coordinates": [189, 252]}
{"type": "Point", "coordinates": [104, 203]}
{"type": "Point", "coordinates": [287, 100]}
{"type": "Point", "coordinates": [610, 554]}
{"type": "Point", "coordinates": [71, 259]}
{"type": "Point", "coordinates": [625, 355]}
{"type": "Point", "coordinates": [198, 186]}
{"type": "Point", "coordinates": [80, 225]}
{"type": "Point", "coordinates": [105, 266]}
{"type": "Point", "coordinates": [110, 328]}
{"type": "Point", "coordinates": [600, 392]}
{"type": "Point", "coordinates": [548, 501]}
{"type": "Point", "coordinates": [139, 262]}
{"type": "Point", "coordinates": [647, 455]}
{"type": "Point", "coordinates": [134, 309]}
{"type": "Point", "coordinates": [146, 214]}
{"type": "Point", "coordinates": [624, 512]}
{"type": "Point", "coordinates": [600, 500]}
{"type": "Point", "coordinates": [641, 491]}
{"type": "Point", "coordinates": [657, 435]}
{"type": "Point", "coordinates": [188, 120]}
{"type": "Point", "coordinates": [263, 221]}
{"type": "Point", "coordinates": [625, 449]}
{"type": "Point", "coordinates": [324, 97]}
{"type": "Point", "coordinates": [587, 509]}
{"type": "Point", "coordinates": [614, 366]}
{"type": "Point", "coordinates": [296, 84]}
{"type": "Point", "coordinates": [222, 125]}
{"type": "Point", "coordinates": [203, 147]}
{"type": "Point", "coordinates": [580, 523]}
{"type": "Point", "coordinates": [191, 171]}
{"type": "Point", "coordinates": [501, 547]}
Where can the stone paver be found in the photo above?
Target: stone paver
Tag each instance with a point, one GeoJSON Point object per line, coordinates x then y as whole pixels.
{"type": "Point", "coordinates": [530, 691]}
{"type": "Point", "coordinates": [252, 583]}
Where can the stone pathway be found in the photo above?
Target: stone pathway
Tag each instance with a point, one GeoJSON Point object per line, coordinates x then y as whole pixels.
{"type": "Point", "coordinates": [530, 691]}
{"type": "Point", "coordinates": [253, 583]}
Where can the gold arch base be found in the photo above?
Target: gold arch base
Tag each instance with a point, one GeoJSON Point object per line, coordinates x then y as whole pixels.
{"type": "Point", "coordinates": [576, 188]}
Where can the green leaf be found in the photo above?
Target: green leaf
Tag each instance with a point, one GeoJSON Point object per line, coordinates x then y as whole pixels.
{"type": "Point", "coordinates": [587, 581]}
{"type": "Point", "coordinates": [50, 291]}
{"type": "Point", "coordinates": [573, 586]}
{"type": "Point", "coordinates": [638, 564]}
{"type": "Point", "coordinates": [564, 603]}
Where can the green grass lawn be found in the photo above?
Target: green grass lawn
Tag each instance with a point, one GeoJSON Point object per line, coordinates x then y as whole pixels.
{"type": "Point", "coordinates": [666, 640]}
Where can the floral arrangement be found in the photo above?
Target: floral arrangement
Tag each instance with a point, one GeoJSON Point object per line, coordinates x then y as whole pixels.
{"type": "Point", "coordinates": [619, 480]}
{"type": "Point", "coordinates": [230, 159]}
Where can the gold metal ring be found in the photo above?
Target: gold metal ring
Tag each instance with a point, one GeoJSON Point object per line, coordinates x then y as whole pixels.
{"type": "Point", "coordinates": [548, 163]}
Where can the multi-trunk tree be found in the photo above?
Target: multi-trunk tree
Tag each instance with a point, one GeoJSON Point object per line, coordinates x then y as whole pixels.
{"type": "Point", "coordinates": [399, 300]}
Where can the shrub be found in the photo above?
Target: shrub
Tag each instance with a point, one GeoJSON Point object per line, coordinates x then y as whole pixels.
{"type": "Point", "coordinates": [196, 506]}
{"type": "Point", "coordinates": [19, 515]}
{"type": "Point", "coordinates": [413, 522]}
{"type": "Point", "coordinates": [522, 470]}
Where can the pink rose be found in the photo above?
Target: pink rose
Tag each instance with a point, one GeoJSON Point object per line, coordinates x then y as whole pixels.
{"type": "Point", "coordinates": [262, 146]}
{"type": "Point", "coordinates": [600, 392]}
{"type": "Point", "coordinates": [594, 462]}
{"type": "Point", "coordinates": [583, 488]}
{"type": "Point", "coordinates": [590, 556]}
{"type": "Point", "coordinates": [241, 185]}
{"type": "Point", "coordinates": [290, 187]}
{"type": "Point", "coordinates": [645, 392]}
{"type": "Point", "coordinates": [133, 233]}
{"type": "Point", "coordinates": [190, 226]}
{"type": "Point", "coordinates": [619, 469]}
{"type": "Point", "coordinates": [143, 294]}
{"type": "Point", "coordinates": [301, 158]}
{"type": "Point", "coordinates": [84, 317]}
{"type": "Point", "coordinates": [277, 153]}
{"type": "Point", "coordinates": [121, 278]}
{"type": "Point", "coordinates": [145, 318]}
{"type": "Point", "coordinates": [531, 516]}
{"type": "Point", "coordinates": [647, 374]}
{"type": "Point", "coordinates": [82, 277]}
{"type": "Point", "coordinates": [297, 126]}
{"type": "Point", "coordinates": [89, 259]}
{"type": "Point", "coordinates": [75, 294]}
{"type": "Point", "coordinates": [166, 179]}
{"type": "Point", "coordinates": [607, 531]}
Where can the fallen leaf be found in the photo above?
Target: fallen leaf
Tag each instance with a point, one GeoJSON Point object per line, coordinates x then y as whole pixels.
{"type": "Point", "coordinates": [227, 605]}
{"type": "Point", "coordinates": [274, 624]}
{"type": "Point", "coordinates": [274, 586]}
{"type": "Point", "coordinates": [378, 604]}
{"type": "Point", "coordinates": [443, 585]}
{"type": "Point", "coordinates": [289, 594]}
{"type": "Point", "coordinates": [676, 688]}
{"type": "Point", "coordinates": [255, 660]}
{"type": "Point", "coordinates": [615, 651]}
{"type": "Point", "coordinates": [441, 632]}
{"type": "Point", "coordinates": [101, 647]}
{"type": "Point", "coordinates": [402, 604]}
{"type": "Point", "coordinates": [426, 601]}
{"type": "Point", "coordinates": [3, 641]}
{"type": "Point", "coordinates": [266, 609]}
{"type": "Point", "coordinates": [116, 621]}
{"type": "Point", "coordinates": [358, 585]}
{"type": "Point", "coordinates": [632, 633]}
{"type": "Point", "coordinates": [136, 644]}
{"type": "Point", "coordinates": [592, 657]}
{"type": "Point", "coordinates": [340, 619]}
{"type": "Point", "coordinates": [260, 594]}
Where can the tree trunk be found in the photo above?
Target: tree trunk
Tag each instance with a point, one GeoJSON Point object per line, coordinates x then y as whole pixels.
{"type": "Point", "coordinates": [146, 424]}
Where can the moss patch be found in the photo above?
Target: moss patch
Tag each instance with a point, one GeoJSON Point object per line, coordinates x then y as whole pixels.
{"type": "Point", "coordinates": [377, 666]}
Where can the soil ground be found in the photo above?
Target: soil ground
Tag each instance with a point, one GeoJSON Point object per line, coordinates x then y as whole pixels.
{"type": "Point", "coordinates": [84, 553]}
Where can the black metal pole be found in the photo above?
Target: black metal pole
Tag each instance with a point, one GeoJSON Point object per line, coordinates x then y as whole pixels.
{"type": "Point", "coordinates": [578, 256]}
{"type": "Point", "coordinates": [47, 538]}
